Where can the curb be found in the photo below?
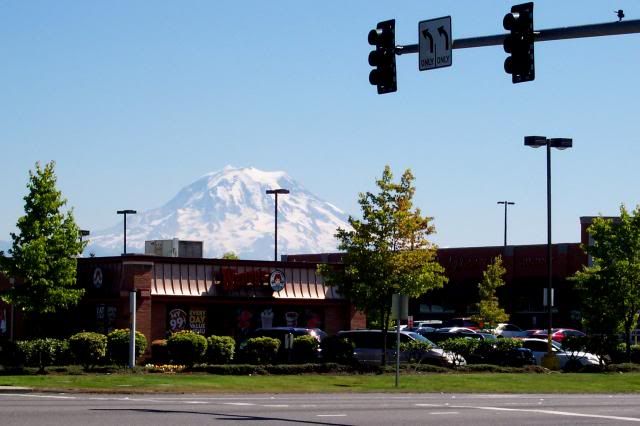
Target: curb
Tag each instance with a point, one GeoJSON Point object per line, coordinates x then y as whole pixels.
{"type": "Point", "coordinates": [15, 389]}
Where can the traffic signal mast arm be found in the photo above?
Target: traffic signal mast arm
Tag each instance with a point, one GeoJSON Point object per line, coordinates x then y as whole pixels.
{"type": "Point", "coordinates": [581, 31]}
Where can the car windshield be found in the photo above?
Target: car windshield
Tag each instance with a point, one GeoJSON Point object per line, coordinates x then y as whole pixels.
{"type": "Point", "coordinates": [421, 338]}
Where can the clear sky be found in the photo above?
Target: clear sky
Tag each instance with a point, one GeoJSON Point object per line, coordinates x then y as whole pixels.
{"type": "Point", "coordinates": [135, 100]}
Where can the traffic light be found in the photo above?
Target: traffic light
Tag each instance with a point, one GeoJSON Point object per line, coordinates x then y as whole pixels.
{"type": "Point", "coordinates": [383, 58]}
{"type": "Point", "coordinates": [519, 43]}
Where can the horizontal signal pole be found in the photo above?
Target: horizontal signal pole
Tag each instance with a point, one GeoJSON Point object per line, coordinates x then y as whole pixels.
{"type": "Point", "coordinates": [581, 31]}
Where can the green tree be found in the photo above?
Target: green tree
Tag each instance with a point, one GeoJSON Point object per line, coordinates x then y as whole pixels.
{"type": "Point", "coordinates": [610, 287]}
{"type": "Point", "coordinates": [386, 252]}
{"type": "Point", "coordinates": [44, 251]}
{"type": "Point", "coordinates": [489, 310]}
{"type": "Point", "coordinates": [230, 256]}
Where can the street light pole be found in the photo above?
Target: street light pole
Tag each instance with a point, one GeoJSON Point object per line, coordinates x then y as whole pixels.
{"type": "Point", "coordinates": [125, 213]}
{"type": "Point", "coordinates": [506, 203]}
{"type": "Point", "coordinates": [558, 143]}
{"type": "Point", "coordinates": [276, 192]}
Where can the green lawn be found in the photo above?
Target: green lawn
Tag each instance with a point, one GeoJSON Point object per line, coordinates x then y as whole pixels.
{"type": "Point", "coordinates": [472, 382]}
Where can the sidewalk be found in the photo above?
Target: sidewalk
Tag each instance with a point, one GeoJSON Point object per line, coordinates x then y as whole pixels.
{"type": "Point", "coordinates": [14, 389]}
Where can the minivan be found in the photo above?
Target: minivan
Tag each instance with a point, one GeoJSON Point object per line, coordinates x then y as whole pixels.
{"type": "Point", "coordinates": [369, 347]}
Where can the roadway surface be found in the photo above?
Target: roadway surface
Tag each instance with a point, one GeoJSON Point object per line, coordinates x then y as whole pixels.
{"type": "Point", "coordinates": [317, 409]}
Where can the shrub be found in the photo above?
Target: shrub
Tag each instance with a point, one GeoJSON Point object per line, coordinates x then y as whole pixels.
{"type": "Point", "coordinates": [186, 347]}
{"type": "Point", "coordinates": [414, 350]}
{"type": "Point", "coordinates": [42, 352]}
{"type": "Point", "coordinates": [463, 348]}
{"type": "Point", "coordinates": [159, 351]}
{"type": "Point", "coordinates": [337, 349]}
{"type": "Point", "coordinates": [220, 349]}
{"type": "Point", "coordinates": [305, 349]}
{"type": "Point", "coordinates": [118, 345]}
{"type": "Point", "coordinates": [259, 350]}
{"type": "Point", "coordinates": [88, 348]}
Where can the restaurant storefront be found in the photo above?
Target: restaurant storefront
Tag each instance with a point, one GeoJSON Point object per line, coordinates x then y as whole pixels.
{"type": "Point", "coordinates": [208, 296]}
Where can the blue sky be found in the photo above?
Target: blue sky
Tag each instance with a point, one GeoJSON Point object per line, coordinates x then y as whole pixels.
{"type": "Point", "coordinates": [135, 100]}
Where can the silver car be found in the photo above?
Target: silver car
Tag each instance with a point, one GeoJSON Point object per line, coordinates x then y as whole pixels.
{"type": "Point", "coordinates": [369, 348]}
{"type": "Point", "coordinates": [539, 348]}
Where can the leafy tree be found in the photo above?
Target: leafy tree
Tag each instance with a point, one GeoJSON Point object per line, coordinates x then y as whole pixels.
{"type": "Point", "coordinates": [489, 310]}
{"type": "Point", "coordinates": [230, 255]}
{"type": "Point", "coordinates": [44, 251]}
{"type": "Point", "coordinates": [386, 251]}
{"type": "Point", "coordinates": [610, 287]}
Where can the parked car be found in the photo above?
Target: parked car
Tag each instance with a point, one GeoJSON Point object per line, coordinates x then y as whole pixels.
{"type": "Point", "coordinates": [427, 323]}
{"type": "Point", "coordinates": [461, 322]}
{"type": "Point", "coordinates": [457, 330]}
{"type": "Point", "coordinates": [560, 334]}
{"type": "Point", "coordinates": [442, 334]}
{"type": "Point", "coordinates": [509, 330]}
{"type": "Point", "coordinates": [515, 358]}
{"type": "Point", "coordinates": [369, 347]}
{"type": "Point", "coordinates": [539, 348]}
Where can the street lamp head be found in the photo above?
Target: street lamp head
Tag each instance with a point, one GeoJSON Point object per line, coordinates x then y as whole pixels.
{"type": "Point", "coordinates": [535, 141]}
{"type": "Point", "coordinates": [561, 143]}
{"type": "Point", "coordinates": [126, 212]}
{"type": "Point", "coordinates": [510, 203]}
{"type": "Point", "coordinates": [278, 191]}
{"type": "Point", "coordinates": [538, 141]}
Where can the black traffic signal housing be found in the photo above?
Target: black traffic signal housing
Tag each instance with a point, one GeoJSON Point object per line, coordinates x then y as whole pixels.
{"type": "Point", "coordinates": [383, 58]}
{"type": "Point", "coordinates": [519, 43]}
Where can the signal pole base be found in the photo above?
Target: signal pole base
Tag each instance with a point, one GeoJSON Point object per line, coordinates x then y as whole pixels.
{"type": "Point", "coordinates": [550, 361]}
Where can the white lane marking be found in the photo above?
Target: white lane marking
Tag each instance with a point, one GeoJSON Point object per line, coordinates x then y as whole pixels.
{"type": "Point", "coordinates": [331, 415]}
{"type": "Point", "coordinates": [40, 396]}
{"type": "Point", "coordinates": [276, 405]}
{"type": "Point", "coordinates": [444, 412]}
{"type": "Point", "coordinates": [557, 413]}
{"type": "Point", "coordinates": [194, 402]}
{"type": "Point", "coordinates": [428, 405]}
{"type": "Point", "coordinates": [238, 403]}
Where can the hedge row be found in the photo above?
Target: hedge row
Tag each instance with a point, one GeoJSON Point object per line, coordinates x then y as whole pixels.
{"type": "Point", "coordinates": [189, 348]}
{"type": "Point", "coordinates": [87, 349]}
{"type": "Point", "coordinates": [182, 348]}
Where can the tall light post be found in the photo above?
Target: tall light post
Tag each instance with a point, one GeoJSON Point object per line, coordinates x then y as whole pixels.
{"type": "Point", "coordinates": [558, 143]}
{"type": "Point", "coordinates": [276, 192]}
{"type": "Point", "coordinates": [125, 213]}
{"type": "Point", "coordinates": [506, 203]}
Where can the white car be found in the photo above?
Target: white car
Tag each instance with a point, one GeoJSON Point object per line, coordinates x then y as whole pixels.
{"type": "Point", "coordinates": [509, 330]}
{"type": "Point", "coordinates": [539, 348]}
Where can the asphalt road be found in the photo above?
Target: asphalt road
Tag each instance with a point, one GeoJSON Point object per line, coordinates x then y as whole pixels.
{"type": "Point", "coordinates": [317, 409]}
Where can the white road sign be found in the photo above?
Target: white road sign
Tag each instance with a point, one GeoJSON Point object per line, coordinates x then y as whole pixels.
{"type": "Point", "coordinates": [435, 42]}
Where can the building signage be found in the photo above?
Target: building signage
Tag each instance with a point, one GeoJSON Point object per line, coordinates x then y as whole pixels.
{"type": "Point", "coordinates": [198, 321]}
{"type": "Point", "coordinates": [97, 278]}
{"type": "Point", "coordinates": [234, 280]}
{"type": "Point", "coordinates": [277, 280]}
{"type": "Point", "coordinates": [177, 320]}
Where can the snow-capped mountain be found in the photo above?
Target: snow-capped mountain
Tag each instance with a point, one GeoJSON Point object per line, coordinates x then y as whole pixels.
{"type": "Point", "coordinates": [230, 211]}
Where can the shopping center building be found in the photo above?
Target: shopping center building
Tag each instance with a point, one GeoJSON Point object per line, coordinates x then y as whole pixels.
{"type": "Point", "coordinates": [232, 297]}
